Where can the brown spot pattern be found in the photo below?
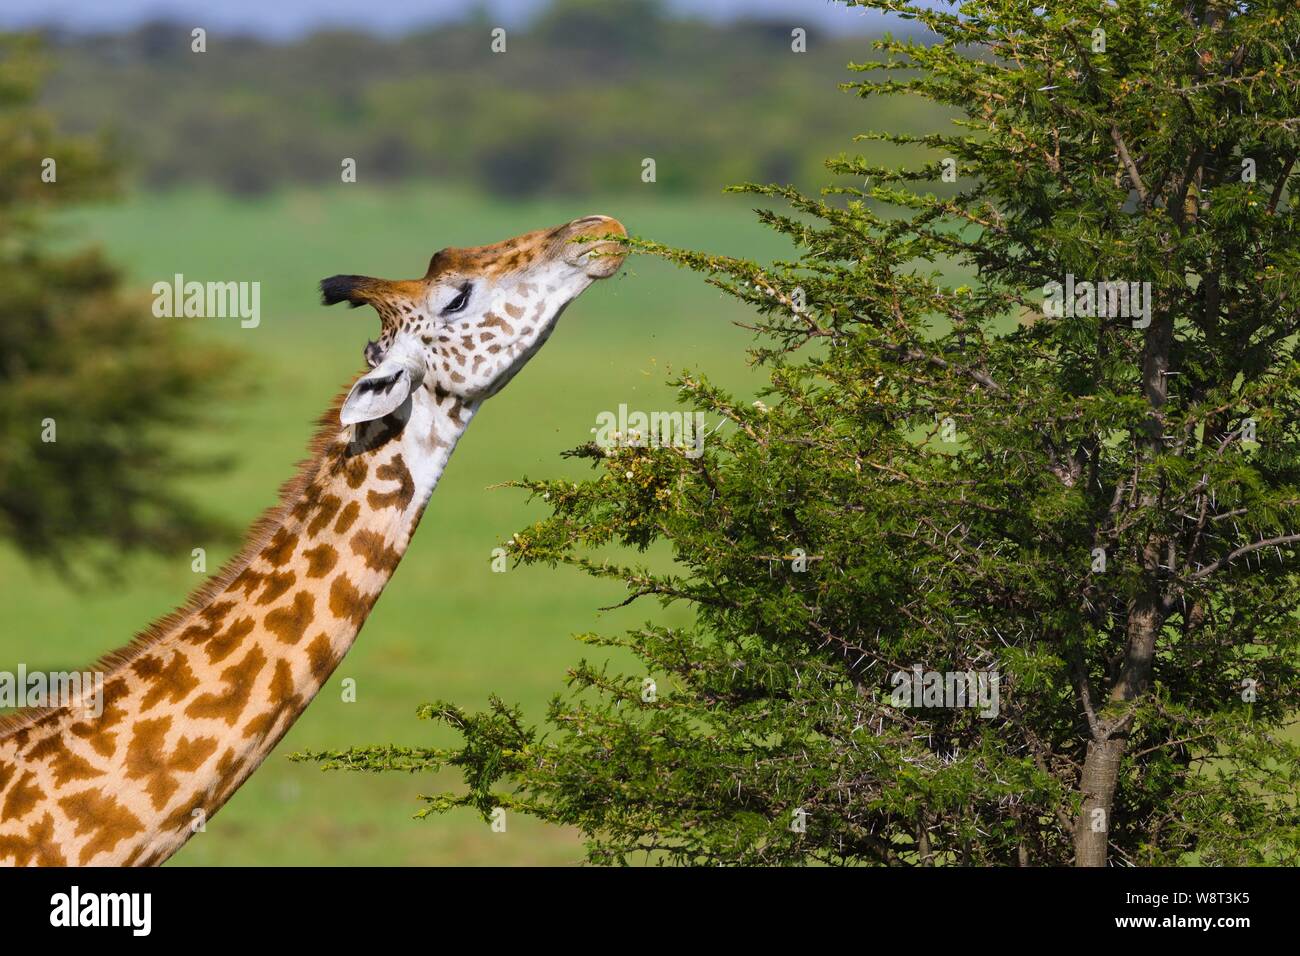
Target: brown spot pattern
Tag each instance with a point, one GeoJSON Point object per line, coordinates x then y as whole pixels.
{"type": "Point", "coordinates": [99, 733]}
{"type": "Point", "coordinates": [221, 646]}
{"type": "Point", "coordinates": [147, 760]}
{"type": "Point", "coordinates": [394, 470]}
{"type": "Point", "coordinates": [329, 507]}
{"type": "Point", "coordinates": [355, 471]}
{"type": "Point", "coordinates": [230, 703]}
{"type": "Point", "coordinates": [277, 585]}
{"type": "Point", "coordinates": [289, 623]}
{"type": "Point", "coordinates": [248, 582]}
{"type": "Point", "coordinates": [371, 548]}
{"type": "Point", "coordinates": [281, 548]}
{"type": "Point", "coordinates": [321, 657]}
{"type": "Point", "coordinates": [94, 812]}
{"type": "Point", "coordinates": [321, 560]}
{"type": "Point", "coordinates": [22, 797]}
{"type": "Point", "coordinates": [346, 602]}
{"type": "Point", "coordinates": [347, 518]}
{"type": "Point", "coordinates": [172, 682]}
{"type": "Point", "coordinates": [283, 701]}
{"type": "Point", "coordinates": [36, 848]}
{"type": "Point", "coordinates": [65, 765]}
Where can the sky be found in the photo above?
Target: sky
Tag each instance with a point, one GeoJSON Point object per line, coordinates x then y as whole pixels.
{"type": "Point", "coordinates": [283, 19]}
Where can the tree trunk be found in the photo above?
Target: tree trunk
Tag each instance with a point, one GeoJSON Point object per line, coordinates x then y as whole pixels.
{"type": "Point", "coordinates": [1097, 784]}
{"type": "Point", "coordinates": [1110, 729]}
{"type": "Point", "coordinates": [1100, 776]}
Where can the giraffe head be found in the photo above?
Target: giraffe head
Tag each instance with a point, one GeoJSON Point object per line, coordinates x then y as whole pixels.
{"type": "Point", "coordinates": [477, 316]}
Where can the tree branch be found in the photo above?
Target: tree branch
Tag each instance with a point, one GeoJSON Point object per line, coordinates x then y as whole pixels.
{"type": "Point", "coordinates": [1280, 185]}
{"type": "Point", "coordinates": [1129, 165]}
{"type": "Point", "coordinates": [905, 353]}
{"type": "Point", "coordinates": [1245, 549]}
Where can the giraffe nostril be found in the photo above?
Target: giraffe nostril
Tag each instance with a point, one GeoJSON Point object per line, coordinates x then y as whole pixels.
{"type": "Point", "coordinates": [589, 220]}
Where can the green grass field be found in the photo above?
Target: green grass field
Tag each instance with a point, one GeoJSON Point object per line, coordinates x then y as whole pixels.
{"type": "Point", "coordinates": [447, 627]}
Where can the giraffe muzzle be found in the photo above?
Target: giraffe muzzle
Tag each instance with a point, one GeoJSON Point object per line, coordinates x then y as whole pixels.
{"type": "Point", "coordinates": [599, 260]}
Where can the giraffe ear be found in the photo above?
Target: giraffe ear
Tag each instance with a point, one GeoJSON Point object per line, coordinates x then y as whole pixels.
{"type": "Point", "coordinates": [380, 392]}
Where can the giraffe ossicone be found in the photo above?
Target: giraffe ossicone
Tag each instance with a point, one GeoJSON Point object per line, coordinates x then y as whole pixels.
{"type": "Point", "coordinates": [195, 703]}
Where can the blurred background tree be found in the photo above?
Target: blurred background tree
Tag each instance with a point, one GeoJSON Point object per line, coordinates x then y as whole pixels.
{"type": "Point", "coordinates": [94, 390]}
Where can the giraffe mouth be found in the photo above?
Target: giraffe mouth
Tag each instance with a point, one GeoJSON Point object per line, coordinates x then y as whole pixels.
{"type": "Point", "coordinates": [598, 260]}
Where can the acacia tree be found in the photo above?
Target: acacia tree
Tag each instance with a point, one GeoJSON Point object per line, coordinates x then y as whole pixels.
{"type": "Point", "coordinates": [956, 469]}
{"type": "Point", "coordinates": [94, 390]}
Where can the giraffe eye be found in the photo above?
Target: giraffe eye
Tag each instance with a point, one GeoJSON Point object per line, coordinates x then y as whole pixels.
{"type": "Point", "coordinates": [462, 299]}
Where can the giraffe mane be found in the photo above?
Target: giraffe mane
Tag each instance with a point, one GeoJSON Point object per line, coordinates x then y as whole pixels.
{"type": "Point", "coordinates": [255, 539]}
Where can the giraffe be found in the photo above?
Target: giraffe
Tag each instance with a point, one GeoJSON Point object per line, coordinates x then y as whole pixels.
{"type": "Point", "coordinates": [197, 701]}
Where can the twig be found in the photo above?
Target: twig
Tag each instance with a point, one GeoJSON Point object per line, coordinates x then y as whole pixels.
{"type": "Point", "coordinates": [1245, 549]}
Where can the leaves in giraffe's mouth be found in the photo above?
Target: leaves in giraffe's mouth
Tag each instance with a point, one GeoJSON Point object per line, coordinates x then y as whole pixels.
{"type": "Point", "coordinates": [599, 259]}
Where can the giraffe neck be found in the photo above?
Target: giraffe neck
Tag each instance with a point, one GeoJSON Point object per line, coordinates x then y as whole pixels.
{"type": "Point", "coordinates": [193, 706]}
